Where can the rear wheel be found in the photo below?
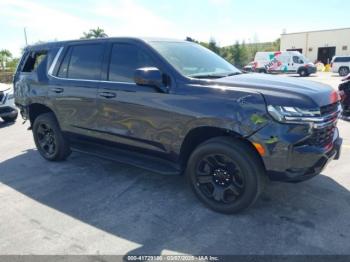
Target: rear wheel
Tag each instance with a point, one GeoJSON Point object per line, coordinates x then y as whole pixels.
{"type": "Point", "coordinates": [49, 139]}
{"type": "Point", "coordinates": [343, 71]}
{"type": "Point", "coordinates": [225, 174]}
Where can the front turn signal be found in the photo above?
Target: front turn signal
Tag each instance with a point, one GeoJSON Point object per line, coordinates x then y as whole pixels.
{"type": "Point", "coordinates": [259, 148]}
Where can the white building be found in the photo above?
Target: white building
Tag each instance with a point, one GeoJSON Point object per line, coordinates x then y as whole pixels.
{"type": "Point", "coordinates": [318, 45]}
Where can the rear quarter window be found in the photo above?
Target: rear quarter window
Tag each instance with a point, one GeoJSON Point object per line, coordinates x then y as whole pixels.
{"type": "Point", "coordinates": [34, 59]}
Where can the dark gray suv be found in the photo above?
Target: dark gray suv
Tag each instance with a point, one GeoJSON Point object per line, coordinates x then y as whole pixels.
{"type": "Point", "coordinates": [174, 107]}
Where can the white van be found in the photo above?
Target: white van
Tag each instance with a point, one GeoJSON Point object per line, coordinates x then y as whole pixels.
{"type": "Point", "coordinates": [289, 62]}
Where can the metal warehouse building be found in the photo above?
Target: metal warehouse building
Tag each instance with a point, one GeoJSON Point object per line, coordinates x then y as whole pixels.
{"type": "Point", "coordinates": [318, 45]}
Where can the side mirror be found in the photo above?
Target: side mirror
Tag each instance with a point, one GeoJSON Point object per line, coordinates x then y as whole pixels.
{"type": "Point", "coordinates": [150, 76]}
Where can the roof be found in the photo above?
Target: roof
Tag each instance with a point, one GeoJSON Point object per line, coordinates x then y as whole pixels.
{"type": "Point", "coordinates": [136, 39]}
{"type": "Point", "coordinates": [315, 31]}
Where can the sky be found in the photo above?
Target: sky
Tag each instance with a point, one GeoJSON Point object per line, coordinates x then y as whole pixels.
{"type": "Point", "coordinates": [227, 21]}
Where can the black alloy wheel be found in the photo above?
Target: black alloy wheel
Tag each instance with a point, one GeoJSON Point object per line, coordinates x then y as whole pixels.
{"type": "Point", "coordinates": [226, 174]}
{"type": "Point", "coordinates": [219, 178]}
{"type": "Point", "coordinates": [46, 139]}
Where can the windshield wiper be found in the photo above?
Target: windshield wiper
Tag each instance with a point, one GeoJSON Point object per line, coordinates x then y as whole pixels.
{"type": "Point", "coordinates": [214, 76]}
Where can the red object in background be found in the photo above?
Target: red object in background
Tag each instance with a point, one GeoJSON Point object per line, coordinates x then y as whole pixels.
{"type": "Point", "coordinates": [334, 97]}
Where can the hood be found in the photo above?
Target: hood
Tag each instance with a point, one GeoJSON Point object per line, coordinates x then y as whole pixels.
{"type": "Point", "coordinates": [4, 87]}
{"type": "Point", "coordinates": [285, 91]}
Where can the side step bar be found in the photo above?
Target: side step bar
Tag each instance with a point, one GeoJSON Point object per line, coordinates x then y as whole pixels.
{"type": "Point", "coordinates": [150, 163]}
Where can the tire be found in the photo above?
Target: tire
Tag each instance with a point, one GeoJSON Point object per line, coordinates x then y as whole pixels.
{"type": "Point", "coordinates": [49, 139]}
{"type": "Point", "coordinates": [10, 119]}
{"type": "Point", "coordinates": [303, 72]}
{"type": "Point", "coordinates": [262, 71]}
{"type": "Point", "coordinates": [344, 71]}
{"type": "Point", "coordinates": [232, 182]}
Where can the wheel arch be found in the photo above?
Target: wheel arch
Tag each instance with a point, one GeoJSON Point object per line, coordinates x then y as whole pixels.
{"type": "Point", "coordinates": [37, 109]}
{"type": "Point", "coordinates": [199, 135]}
{"type": "Point", "coordinates": [301, 68]}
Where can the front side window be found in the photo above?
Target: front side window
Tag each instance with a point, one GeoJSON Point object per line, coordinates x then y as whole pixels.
{"type": "Point", "coordinates": [193, 60]}
{"type": "Point", "coordinates": [296, 59]}
{"type": "Point", "coordinates": [82, 62]}
{"type": "Point", "coordinates": [125, 59]}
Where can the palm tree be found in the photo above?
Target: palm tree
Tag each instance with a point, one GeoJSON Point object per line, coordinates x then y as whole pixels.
{"type": "Point", "coordinates": [94, 33]}
{"type": "Point", "coordinates": [5, 55]}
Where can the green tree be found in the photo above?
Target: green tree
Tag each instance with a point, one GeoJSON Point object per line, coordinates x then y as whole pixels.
{"type": "Point", "coordinates": [277, 45]}
{"type": "Point", "coordinates": [5, 56]}
{"type": "Point", "coordinates": [94, 33]}
{"type": "Point", "coordinates": [244, 55]}
{"type": "Point", "coordinates": [213, 46]}
{"type": "Point", "coordinates": [12, 64]}
{"type": "Point", "coordinates": [236, 54]}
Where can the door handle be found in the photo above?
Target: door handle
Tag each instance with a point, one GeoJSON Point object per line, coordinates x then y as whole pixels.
{"type": "Point", "coordinates": [57, 90]}
{"type": "Point", "coordinates": [107, 94]}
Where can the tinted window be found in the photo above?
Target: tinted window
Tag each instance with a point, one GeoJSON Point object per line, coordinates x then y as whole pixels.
{"type": "Point", "coordinates": [125, 59]}
{"type": "Point", "coordinates": [82, 62]}
{"type": "Point", "coordinates": [342, 59]}
{"type": "Point", "coordinates": [63, 70]}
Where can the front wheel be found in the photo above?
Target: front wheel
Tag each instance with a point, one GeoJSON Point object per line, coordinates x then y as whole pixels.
{"type": "Point", "coordinates": [49, 139]}
{"type": "Point", "coordinates": [303, 72]}
{"type": "Point", "coordinates": [226, 174]}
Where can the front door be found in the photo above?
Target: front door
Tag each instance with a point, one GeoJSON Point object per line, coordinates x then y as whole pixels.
{"type": "Point", "coordinates": [130, 114]}
{"type": "Point", "coordinates": [295, 63]}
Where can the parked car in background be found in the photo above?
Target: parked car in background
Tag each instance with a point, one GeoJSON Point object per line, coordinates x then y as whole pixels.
{"type": "Point", "coordinates": [175, 107]}
{"type": "Point", "coordinates": [8, 110]}
{"type": "Point", "coordinates": [250, 67]}
{"type": "Point", "coordinates": [341, 65]}
{"type": "Point", "coordinates": [287, 62]}
{"type": "Point", "coordinates": [344, 90]}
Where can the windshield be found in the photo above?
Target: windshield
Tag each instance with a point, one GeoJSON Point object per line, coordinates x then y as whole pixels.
{"type": "Point", "coordinates": [193, 60]}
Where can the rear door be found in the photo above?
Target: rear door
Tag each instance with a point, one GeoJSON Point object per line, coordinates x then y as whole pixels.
{"type": "Point", "coordinates": [74, 86]}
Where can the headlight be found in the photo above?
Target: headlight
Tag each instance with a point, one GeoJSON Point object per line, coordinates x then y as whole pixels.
{"type": "Point", "coordinates": [289, 114]}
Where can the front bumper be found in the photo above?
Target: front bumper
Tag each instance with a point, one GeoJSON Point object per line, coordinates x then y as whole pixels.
{"type": "Point", "coordinates": [289, 157]}
{"type": "Point", "coordinates": [317, 159]}
{"type": "Point", "coordinates": [7, 106]}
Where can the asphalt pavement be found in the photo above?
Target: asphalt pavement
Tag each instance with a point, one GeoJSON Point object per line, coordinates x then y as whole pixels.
{"type": "Point", "coordinates": [87, 205]}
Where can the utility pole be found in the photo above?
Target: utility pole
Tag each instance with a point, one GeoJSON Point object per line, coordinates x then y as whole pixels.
{"type": "Point", "coordinates": [25, 36]}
